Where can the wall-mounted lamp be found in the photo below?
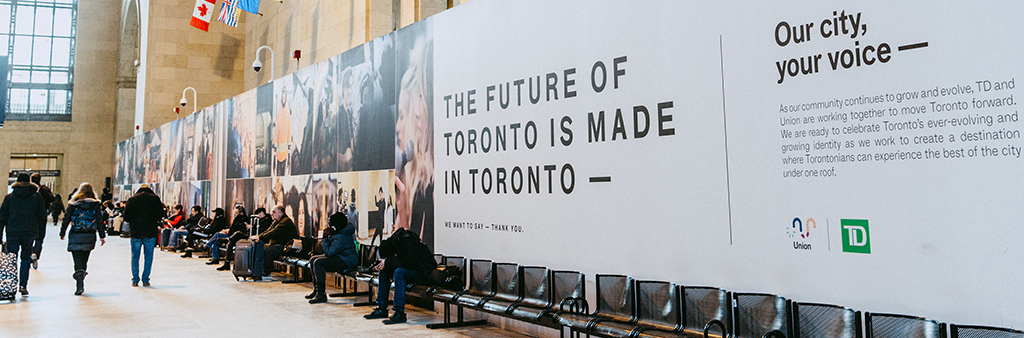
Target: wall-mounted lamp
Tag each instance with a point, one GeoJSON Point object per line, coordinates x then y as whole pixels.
{"type": "Point", "coordinates": [184, 102]}
{"type": "Point", "coordinates": [257, 65]}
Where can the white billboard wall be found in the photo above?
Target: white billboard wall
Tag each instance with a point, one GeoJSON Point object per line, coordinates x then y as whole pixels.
{"type": "Point", "coordinates": [862, 154]}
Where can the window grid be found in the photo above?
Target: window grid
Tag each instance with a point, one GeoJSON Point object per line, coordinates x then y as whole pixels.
{"type": "Point", "coordinates": [44, 100]}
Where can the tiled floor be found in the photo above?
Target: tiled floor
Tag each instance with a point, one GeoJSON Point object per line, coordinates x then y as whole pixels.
{"type": "Point", "coordinates": [187, 299]}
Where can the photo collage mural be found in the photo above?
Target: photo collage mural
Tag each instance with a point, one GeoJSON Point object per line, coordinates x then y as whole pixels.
{"type": "Point", "coordinates": [351, 134]}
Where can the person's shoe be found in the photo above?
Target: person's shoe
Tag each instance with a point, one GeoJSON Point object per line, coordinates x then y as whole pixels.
{"type": "Point", "coordinates": [35, 262]}
{"type": "Point", "coordinates": [145, 284]}
{"type": "Point", "coordinates": [135, 284]}
{"type": "Point", "coordinates": [225, 267]}
{"type": "Point", "coordinates": [313, 294]}
{"type": "Point", "coordinates": [377, 313]}
{"type": "Point", "coordinates": [397, 318]}
{"type": "Point", "coordinates": [79, 276]}
{"type": "Point", "coordinates": [320, 298]}
{"type": "Point", "coordinates": [23, 291]}
{"type": "Point", "coordinates": [188, 254]}
{"type": "Point", "coordinates": [213, 262]}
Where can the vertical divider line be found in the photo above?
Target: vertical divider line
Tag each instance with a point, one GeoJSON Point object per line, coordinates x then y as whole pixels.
{"type": "Point", "coordinates": [725, 128]}
{"type": "Point", "coordinates": [828, 234]}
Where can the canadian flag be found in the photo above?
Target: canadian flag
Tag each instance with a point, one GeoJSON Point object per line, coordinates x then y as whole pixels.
{"type": "Point", "coordinates": [202, 14]}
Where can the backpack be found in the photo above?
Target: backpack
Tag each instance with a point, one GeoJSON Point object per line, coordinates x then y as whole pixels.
{"type": "Point", "coordinates": [446, 276]}
{"type": "Point", "coordinates": [84, 220]}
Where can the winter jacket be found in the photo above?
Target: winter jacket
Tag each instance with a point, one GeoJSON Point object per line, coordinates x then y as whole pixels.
{"type": "Point", "coordinates": [342, 245]}
{"type": "Point", "coordinates": [56, 208]}
{"type": "Point", "coordinates": [218, 224]}
{"type": "Point", "coordinates": [84, 240]}
{"type": "Point", "coordinates": [175, 220]}
{"type": "Point", "coordinates": [405, 247]}
{"type": "Point", "coordinates": [192, 223]}
{"type": "Point", "coordinates": [281, 232]}
{"type": "Point", "coordinates": [144, 213]}
{"type": "Point", "coordinates": [46, 194]}
{"type": "Point", "coordinates": [238, 224]}
{"type": "Point", "coordinates": [22, 212]}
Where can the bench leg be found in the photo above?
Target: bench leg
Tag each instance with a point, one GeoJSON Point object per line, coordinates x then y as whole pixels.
{"type": "Point", "coordinates": [296, 279]}
{"type": "Point", "coordinates": [344, 290]}
{"type": "Point", "coordinates": [460, 323]}
{"type": "Point", "coordinates": [369, 298]}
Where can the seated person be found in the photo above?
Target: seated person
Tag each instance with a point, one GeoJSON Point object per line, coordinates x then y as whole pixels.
{"type": "Point", "coordinates": [205, 229]}
{"type": "Point", "coordinates": [183, 229]}
{"type": "Point", "coordinates": [280, 234]}
{"type": "Point", "coordinates": [170, 223]}
{"type": "Point", "coordinates": [406, 260]}
{"type": "Point", "coordinates": [235, 233]}
{"type": "Point", "coordinates": [263, 222]}
{"type": "Point", "coordinates": [175, 218]}
{"type": "Point", "coordinates": [339, 254]}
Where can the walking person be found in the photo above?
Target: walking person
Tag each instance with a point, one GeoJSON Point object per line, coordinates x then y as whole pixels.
{"type": "Point", "coordinates": [86, 217]}
{"type": "Point", "coordinates": [47, 195]}
{"type": "Point", "coordinates": [56, 209]}
{"type": "Point", "coordinates": [144, 213]}
{"type": "Point", "coordinates": [21, 214]}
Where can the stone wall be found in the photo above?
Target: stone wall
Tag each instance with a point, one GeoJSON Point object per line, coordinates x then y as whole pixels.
{"type": "Point", "coordinates": [180, 56]}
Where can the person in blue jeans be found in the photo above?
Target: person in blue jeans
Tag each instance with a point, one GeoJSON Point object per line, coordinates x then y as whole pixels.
{"type": "Point", "coordinates": [406, 260]}
{"type": "Point", "coordinates": [22, 214]}
{"type": "Point", "coordinates": [144, 213]}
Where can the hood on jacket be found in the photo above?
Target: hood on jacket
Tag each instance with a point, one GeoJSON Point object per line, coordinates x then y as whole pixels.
{"type": "Point", "coordinates": [24, 189]}
{"type": "Point", "coordinates": [348, 230]}
{"type": "Point", "coordinates": [145, 190]}
{"type": "Point", "coordinates": [85, 203]}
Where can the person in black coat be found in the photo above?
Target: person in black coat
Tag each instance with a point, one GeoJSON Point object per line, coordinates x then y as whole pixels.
{"type": "Point", "coordinates": [217, 231]}
{"type": "Point", "coordinates": [56, 209]}
{"type": "Point", "coordinates": [86, 218]}
{"type": "Point", "coordinates": [237, 232]}
{"type": "Point", "coordinates": [406, 260]}
{"type": "Point", "coordinates": [144, 214]}
{"type": "Point", "coordinates": [21, 215]}
{"type": "Point", "coordinates": [280, 234]}
{"type": "Point", "coordinates": [47, 195]}
{"type": "Point", "coordinates": [339, 254]}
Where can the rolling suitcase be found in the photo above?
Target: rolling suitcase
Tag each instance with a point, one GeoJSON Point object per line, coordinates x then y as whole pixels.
{"type": "Point", "coordinates": [165, 237]}
{"type": "Point", "coordinates": [125, 229]}
{"type": "Point", "coordinates": [249, 255]}
{"type": "Point", "coordinates": [8, 274]}
{"type": "Point", "coordinates": [248, 259]}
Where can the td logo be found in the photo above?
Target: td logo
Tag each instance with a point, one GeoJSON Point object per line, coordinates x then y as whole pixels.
{"type": "Point", "coordinates": [856, 238]}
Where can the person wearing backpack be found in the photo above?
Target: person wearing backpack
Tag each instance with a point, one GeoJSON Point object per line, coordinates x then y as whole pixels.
{"type": "Point", "coordinates": [86, 217]}
{"type": "Point", "coordinates": [405, 260]}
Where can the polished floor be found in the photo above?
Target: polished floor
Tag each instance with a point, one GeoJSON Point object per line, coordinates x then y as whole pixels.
{"type": "Point", "coordinates": [187, 299]}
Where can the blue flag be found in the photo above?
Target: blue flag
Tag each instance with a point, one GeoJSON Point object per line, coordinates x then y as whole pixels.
{"type": "Point", "coordinates": [251, 6]}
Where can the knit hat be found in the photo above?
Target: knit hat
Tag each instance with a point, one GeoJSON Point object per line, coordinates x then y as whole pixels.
{"type": "Point", "coordinates": [23, 177]}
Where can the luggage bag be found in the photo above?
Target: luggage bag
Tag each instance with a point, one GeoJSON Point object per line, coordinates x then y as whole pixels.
{"type": "Point", "coordinates": [249, 255]}
{"type": "Point", "coordinates": [8, 274]}
{"type": "Point", "coordinates": [248, 259]}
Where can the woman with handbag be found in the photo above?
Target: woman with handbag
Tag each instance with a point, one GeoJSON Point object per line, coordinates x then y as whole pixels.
{"type": "Point", "coordinates": [86, 218]}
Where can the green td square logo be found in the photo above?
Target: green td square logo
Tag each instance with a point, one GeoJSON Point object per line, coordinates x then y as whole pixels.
{"type": "Point", "coordinates": [856, 237]}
